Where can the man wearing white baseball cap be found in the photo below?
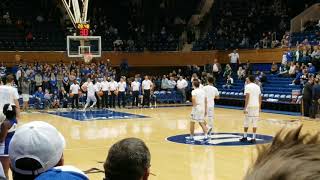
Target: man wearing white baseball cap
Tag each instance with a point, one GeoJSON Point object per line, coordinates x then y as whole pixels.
{"type": "Point", "coordinates": [35, 148]}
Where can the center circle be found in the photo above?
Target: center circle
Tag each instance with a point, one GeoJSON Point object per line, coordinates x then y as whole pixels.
{"type": "Point", "coordinates": [219, 139]}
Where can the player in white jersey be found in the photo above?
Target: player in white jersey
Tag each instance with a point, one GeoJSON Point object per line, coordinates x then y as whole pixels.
{"type": "Point", "coordinates": [9, 95]}
{"type": "Point", "coordinates": [91, 91]}
{"type": "Point", "coordinates": [198, 109]}
{"type": "Point", "coordinates": [212, 93]}
{"type": "Point", "coordinates": [252, 108]}
{"type": "Point", "coordinates": [74, 89]}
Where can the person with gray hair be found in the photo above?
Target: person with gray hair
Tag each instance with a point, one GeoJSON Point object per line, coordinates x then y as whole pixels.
{"type": "Point", "coordinates": [128, 159]}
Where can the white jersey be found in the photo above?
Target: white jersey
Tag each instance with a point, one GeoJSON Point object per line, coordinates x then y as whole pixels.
{"type": "Point", "coordinates": [211, 93]}
{"type": "Point", "coordinates": [105, 86]}
{"type": "Point", "coordinates": [8, 95]}
{"type": "Point", "coordinates": [91, 89]}
{"type": "Point", "coordinates": [146, 84]}
{"type": "Point", "coordinates": [98, 86]}
{"type": "Point", "coordinates": [135, 85]}
{"type": "Point", "coordinates": [113, 86]}
{"type": "Point", "coordinates": [74, 88]}
{"type": "Point", "coordinates": [122, 86]}
{"type": "Point", "coordinates": [254, 94]}
{"type": "Point", "coordinates": [200, 96]}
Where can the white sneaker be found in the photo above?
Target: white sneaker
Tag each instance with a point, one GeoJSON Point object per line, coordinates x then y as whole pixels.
{"type": "Point", "coordinates": [190, 138]}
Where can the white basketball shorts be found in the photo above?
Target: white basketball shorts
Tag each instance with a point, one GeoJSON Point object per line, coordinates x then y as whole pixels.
{"type": "Point", "coordinates": [252, 116]}
{"type": "Point", "coordinates": [91, 99]}
{"type": "Point", "coordinates": [197, 114]}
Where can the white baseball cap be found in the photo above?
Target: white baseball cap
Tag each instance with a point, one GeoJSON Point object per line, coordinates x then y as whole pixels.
{"type": "Point", "coordinates": [36, 140]}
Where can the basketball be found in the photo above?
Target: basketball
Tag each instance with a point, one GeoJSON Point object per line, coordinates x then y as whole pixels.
{"type": "Point", "coordinates": [71, 94]}
{"type": "Point", "coordinates": [100, 93]}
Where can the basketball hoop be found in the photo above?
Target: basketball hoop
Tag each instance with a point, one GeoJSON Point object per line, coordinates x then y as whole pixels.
{"type": "Point", "coordinates": [87, 57]}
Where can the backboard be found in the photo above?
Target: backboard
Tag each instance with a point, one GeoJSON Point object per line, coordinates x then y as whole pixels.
{"type": "Point", "coordinates": [78, 46]}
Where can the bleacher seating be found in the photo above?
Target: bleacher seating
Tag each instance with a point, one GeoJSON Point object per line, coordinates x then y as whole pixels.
{"type": "Point", "coordinates": [313, 38]}
{"type": "Point", "coordinates": [276, 88]}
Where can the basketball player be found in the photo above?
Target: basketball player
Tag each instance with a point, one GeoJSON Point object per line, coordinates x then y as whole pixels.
{"type": "Point", "coordinates": [211, 94]}
{"type": "Point", "coordinates": [135, 87]}
{"type": "Point", "coordinates": [98, 88]}
{"type": "Point", "coordinates": [91, 91]}
{"type": "Point", "coordinates": [113, 87]}
{"type": "Point", "coordinates": [252, 108]}
{"type": "Point", "coordinates": [122, 85]}
{"type": "Point", "coordinates": [147, 86]}
{"type": "Point", "coordinates": [9, 95]}
{"type": "Point", "coordinates": [198, 109]}
{"type": "Point", "coordinates": [105, 90]}
{"type": "Point", "coordinates": [74, 89]}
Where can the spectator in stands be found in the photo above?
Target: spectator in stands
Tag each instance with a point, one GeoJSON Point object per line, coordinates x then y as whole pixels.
{"type": "Point", "coordinates": [38, 80]}
{"type": "Point", "coordinates": [241, 73]}
{"type": "Point", "coordinates": [234, 60]}
{"type": "Point", "coordinates": [315, 55]}
{"type": "Point", "coordinates": [6, 18]}
{"type": "Point", "coordinates": [39, 95]}
{"type": "Point", "coordinates": [262, 77]}
{"type": "Point", "coordinates": [297, 152]}
{"type": "Point", "coordinates": [292, 70]}
{"type": "Point", "coordinates": [304, 77]}
{"type": "Point", "coordinates": [128, 159]}
{"type": "Point", "coordinates": [283, 70]}
{"type": "Point", "coordinates": [25, 90]}
{"type": "Point", "coordinates": [164, 82]}
{"type": "Point", "coordinates": [29, 37]}
{"type": "Point", "coordinates": [227, 71]}
{"type": "Point", "coordinates": [274, 68]}
{"type": "Point", "coordinates": [171, 84]}
{"type": "Point", "coordinates": [117, 44]}
{"type": "Point", "coordinates": [307, 97]}
{"type": "Point", "coordinates": [284, 60]}
{"type": "Point", "coordinates": [298, 54]}
{"type": "Point", "coordinates": [182, 84]}
{"type": "Point", "coordinates": [311, 69]}
{"type": "Point", "coordinates": [47, 98]}
{"type": "Point", "coordinates": [229, 82]}
{"type": "Point", "coordinates": [305, 54]}
{"type": "Point", "coordinates": [35, 148]}
{"type": "Point", "coordinates": [216, 68]}
{"type": "Point", "coordinates": [248, 68]}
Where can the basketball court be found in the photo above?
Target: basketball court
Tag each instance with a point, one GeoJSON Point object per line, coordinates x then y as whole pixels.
{"type": "Point", "coordinates": [89, 137]}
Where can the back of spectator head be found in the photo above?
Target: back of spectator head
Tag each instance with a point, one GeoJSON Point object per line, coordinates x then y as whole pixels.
{"type": "Point", "coordinates": [35, 147]}
{"type": "Point", "coordinates": [128, 159]}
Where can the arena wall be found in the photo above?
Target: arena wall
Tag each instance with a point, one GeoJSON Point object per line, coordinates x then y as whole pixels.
{"type": "Point", "coordinates": [149, 59]}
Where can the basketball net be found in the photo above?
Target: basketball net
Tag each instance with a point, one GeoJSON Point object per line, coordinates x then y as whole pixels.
{"type": "Point", "coordinates": [87, 57]}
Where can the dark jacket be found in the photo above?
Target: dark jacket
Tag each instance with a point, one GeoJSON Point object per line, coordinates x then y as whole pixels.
{"type": "Point", "coordinates": [307, 91]}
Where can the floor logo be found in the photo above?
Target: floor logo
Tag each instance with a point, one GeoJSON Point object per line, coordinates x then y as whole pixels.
{"type": "Point", "coordinates": [96, 115]}
{"type": "Point", "coordinates": [219, 139]}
